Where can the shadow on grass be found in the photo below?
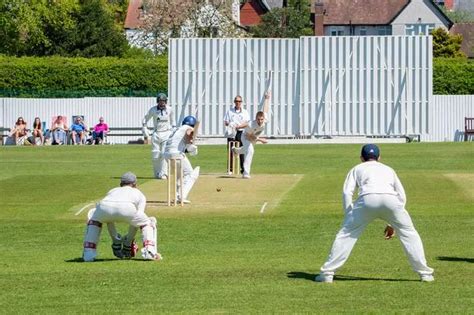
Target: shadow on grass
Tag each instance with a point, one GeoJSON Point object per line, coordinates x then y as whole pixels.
{"type": "Point", "coordinates": [462, 259]}
{"type": "Point", "coordinates": [80, 260]}
{"type": "Point", "coordinates": [138, 177]}
{"type": "Point", "coordinates": [311, 276]}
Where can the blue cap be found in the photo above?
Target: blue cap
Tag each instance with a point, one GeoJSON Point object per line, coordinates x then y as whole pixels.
{"type": "Point", "coordinates": [189, 120]}
{"type": "Point", "coordinates": [370, 151]}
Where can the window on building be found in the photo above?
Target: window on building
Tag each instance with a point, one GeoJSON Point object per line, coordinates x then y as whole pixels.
{"type": "Point", "coordinates": [384, 30]}
{"type": "Point", "coordinates": [363, 30]}
{"type": "Point", "coordinates": [337, 30]}
{"type": "Point", "coordinates": [419, 29]}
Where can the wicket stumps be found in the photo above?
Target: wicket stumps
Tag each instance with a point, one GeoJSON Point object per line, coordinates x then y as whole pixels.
{"type": "Point", "coordinates": [175, 174]}
{"type": "Point", "coordinates": [233, 160]}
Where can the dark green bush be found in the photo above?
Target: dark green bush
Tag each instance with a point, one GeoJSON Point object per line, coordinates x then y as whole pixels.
{"type": "Point", "coordinates": [453, 76]}
{"type": "Point", "coordinates": [79, 77]}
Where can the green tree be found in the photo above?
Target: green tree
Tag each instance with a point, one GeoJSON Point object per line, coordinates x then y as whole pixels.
{"type": "Point", "coordinates": [289, 22]}
{"type": "Point", "coordinates": [445, 44]}
{"type": "Point", "coordinates": [96, 34]}
{"type": "Point", "coordinates": [66, 28]}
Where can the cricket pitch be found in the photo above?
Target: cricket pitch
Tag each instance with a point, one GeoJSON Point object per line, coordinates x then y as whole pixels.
{"type": "Point", "coordinates": [218, 193]}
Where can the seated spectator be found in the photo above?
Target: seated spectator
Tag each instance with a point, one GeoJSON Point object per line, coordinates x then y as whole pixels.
{"type": "Point", "coordinates": [38, 130]}
{"type": "Point", "coordinates": [59, 130]}
{"type": "Point", "coordinates": [100, 131]}
{"type": "Point", "coordinates": [19, 131]}
{"type": "Point", "coordinates": [78, 131]}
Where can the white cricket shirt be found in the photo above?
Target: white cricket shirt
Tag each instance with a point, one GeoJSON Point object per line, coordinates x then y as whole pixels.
{"type": "Point", "coordinates": [127, 194]}
{"type": "Point", "coordinates": [237, 117]}
{"type": "Point", "coordinates": [372, 177]}
{"type": "Point", "coordinates": [163, 119]}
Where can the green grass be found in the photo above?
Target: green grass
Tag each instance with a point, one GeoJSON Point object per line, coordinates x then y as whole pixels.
{"type": "Point", "coordinates": [240, 262]}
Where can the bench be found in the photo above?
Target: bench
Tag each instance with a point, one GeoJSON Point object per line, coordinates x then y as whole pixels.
{"type": "Point", "coordinates": [468, 127]}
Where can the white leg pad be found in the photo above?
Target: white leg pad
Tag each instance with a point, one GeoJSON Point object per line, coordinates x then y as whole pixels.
{"type": "Point", "coordinates": [91, 240]}
{"type": "Point", "coordinates": [149, 237]}
{"type": "Point", "coordinates": [189, 182]}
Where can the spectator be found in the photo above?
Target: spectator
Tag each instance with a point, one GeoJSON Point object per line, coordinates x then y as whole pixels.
{"type": "Point", "coordinates": [59, 130]}
{"type": "Point", "coordinates": [99, 132]}
{"type": "Point", "coordinates": [78, 131]}
{"type": "Point", "coordinates": [19, 131]}
{"type": "Point", "coordinates": [38, 130]}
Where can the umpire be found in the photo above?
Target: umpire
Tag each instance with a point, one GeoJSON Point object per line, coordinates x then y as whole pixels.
{"type": "Point", "coordinates": [235, 120]}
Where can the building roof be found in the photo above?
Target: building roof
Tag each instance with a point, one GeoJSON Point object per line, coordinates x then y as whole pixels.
{"type": "Point", "coordinates": [132, 20]}
{"type": "Point", "coordinates": [467, 32]}
{"type": "Point", "coordinates": [366, 12]}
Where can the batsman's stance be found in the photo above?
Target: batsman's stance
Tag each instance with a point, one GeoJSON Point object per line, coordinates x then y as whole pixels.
{"type": "Point", "coordinates": [179, 143]}
{"type": "Point", "coordinates": [381, 196]}
{"type": "Point", "coordinates": [163, 121]}
{"type": "Point", "coordinates": [122, 204]}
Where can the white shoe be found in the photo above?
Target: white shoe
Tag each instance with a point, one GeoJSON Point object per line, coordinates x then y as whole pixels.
{"type": "Point", "coordinates": [185, 201]}
{"type": "Point", "coordinates": [246, 176]}
{"type": "Point", "coordinates": [147, 255]}
{"type": "Point", "coordinates": [89, 255]}
{"type": "Point", "coordinates": [324, 278]}
{"type": "Point", "coordinates": [426, 278]}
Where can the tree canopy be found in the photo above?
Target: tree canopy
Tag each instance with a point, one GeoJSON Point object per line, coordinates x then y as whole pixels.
{"type": "Point", "coordinates": [288, 22]}
{"type": "Point", "coordinates": [65, 28]}
{"type": "Point", "coordinates": [445, 44]}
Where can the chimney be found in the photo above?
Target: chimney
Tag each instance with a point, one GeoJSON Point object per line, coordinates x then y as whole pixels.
{"type": "Point", "coordinates": [318, 18]}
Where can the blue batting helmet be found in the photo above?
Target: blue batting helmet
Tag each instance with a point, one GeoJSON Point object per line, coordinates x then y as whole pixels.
{"type": "Point", "coordinates": [189, 120]}
{"type": "Point", "coordinates": [370, 151]}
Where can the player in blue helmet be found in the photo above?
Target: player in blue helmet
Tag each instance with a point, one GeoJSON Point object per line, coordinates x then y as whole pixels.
{"type": "Point", "coordinates": [380, 196]}
{"type": "Point", "coordinates": [179, 143]}
{"type": "Point", "coordinates": [190, 121]}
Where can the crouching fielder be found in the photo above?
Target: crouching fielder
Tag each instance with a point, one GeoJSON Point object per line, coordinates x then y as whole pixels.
{"type": "Point", "coordinates": [381, 196]}
{"type": "Point", "coordinates": [251, 136]}
{"type": "Point", "coordinates": [122, 204]}
{"type": "Point", "coordinates": [179, 143]}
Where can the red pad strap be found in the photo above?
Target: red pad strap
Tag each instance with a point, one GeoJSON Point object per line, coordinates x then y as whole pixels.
{"type": "Point", "coordinates": [90, 245]}
{"type": "Point", "coordinates": [148, 243]}
{"type": "Point", "coordinates": [96, 223]}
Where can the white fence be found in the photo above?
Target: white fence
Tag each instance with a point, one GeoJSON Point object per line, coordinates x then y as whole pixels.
{"type": "Point", "coordinates": [345, 85]}
{"type": "Point", "coordinates": [446, 113]}
{"type": "Point", "coordinates": [321, 86]}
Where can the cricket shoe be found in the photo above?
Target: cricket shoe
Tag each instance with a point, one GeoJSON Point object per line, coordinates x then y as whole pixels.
{"type": "Point", "coordinates": [129, 251]}
{"type": "Point", "coordinates": [148, 255]}
{"type": "Point", "coordinates": [427, 278]}
{"type": "Point", "coordinates": [324, 278]}
{"type": "Point", "coordinates": [246, 176]}
{"type": "Point", "coordinates": [185, 201]}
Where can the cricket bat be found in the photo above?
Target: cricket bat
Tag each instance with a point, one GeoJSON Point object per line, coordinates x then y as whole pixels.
{"type": "Point", "coordinates": [195, 132]}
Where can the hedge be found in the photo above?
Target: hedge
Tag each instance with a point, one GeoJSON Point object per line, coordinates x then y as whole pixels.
{"type": "Point", "coordinates": [453, 76]}
{"type": "Point", "coordinates": [79, 77]}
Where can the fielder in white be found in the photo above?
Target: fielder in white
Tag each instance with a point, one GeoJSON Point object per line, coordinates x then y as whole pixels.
{"type": "Point", "coordinates": [381, 196]}
{"type": "Point", "coordinates": [163, 122]}
{"type": "Point", "coordinates": [251, 135]}
{"type": "Point", "coordinates": [179, 143]}
{"type": "Point", "coordinates": [122, 204]}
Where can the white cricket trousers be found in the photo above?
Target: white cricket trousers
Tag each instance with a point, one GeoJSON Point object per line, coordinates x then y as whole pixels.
{"type": "Point", "coordinates": [367, 208]}
{"type": "Point", "coordinates": [158, 144]}
{"type": "Point", "coordinates": [248, 150]}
